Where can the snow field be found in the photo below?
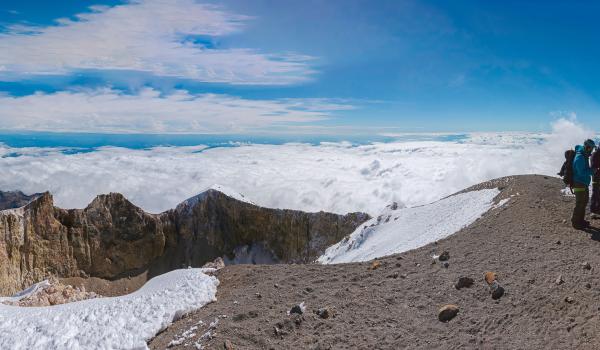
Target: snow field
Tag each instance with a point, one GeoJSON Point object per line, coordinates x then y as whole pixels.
{"type": "Point", "coordinates": [125, 322]}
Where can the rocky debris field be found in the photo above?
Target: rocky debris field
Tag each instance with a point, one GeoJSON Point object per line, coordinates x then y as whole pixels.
{"type": "Point", "coordinates": [54, 293]}
{"type": "Point", "coordinates": [518, 278]}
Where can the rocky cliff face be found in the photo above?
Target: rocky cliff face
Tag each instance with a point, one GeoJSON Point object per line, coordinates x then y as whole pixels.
{"type": "Point", "coordinates": [113, 238]}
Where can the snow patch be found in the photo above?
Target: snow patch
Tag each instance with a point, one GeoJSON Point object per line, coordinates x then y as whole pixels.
{"type": "Point", "coordinates": [14, 211]}
{"type": "Point", "coordinates": [191, 202]}
{"type": "Point", "coordinates": [26, 292]}
{"type": "Point", "coordinates": [231, 193]}
{"type": "Point", "coordinates": [567, 192]}
{"type": "Point", "coordinates": [397, 231]}
{"type": "Point", "coordinates": [125, 322]}
{"type": "Point", "coordinates": [186, 335]}
{"type": "Point", "coordinates": [501, 203]}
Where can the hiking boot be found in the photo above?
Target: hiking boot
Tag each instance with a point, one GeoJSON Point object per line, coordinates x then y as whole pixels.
{"type": "Point", "coordinates": [581, 226]}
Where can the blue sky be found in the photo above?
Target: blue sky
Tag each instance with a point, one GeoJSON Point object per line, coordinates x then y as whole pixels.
{"type": "Point", "coordinates": [296, 67]}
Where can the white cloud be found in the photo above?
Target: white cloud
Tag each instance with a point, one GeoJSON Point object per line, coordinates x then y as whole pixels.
{"type": "Point", "coordinates": [146, 36]}
{"type": "Point", "coordinates": [334, 177]}
{"type": "Point", "coordinates": [150, 111]}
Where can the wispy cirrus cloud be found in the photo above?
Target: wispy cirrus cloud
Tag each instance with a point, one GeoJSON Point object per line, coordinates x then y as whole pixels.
{"type": "Point", "coordinates": [150, 111]}
{"type": "Point", "coordinates": [158, 37]}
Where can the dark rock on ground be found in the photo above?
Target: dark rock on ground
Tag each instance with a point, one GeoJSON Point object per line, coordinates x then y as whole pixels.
{"type": "Point", "coordinates": [297, 309]}
{"type": "Point", "coordinates": [464, 282]}
{"type": "Point", "coordinates": [497, 290]}
{"type": "Point", "coordinates": [324, 313]}
{"type": "Point", "coordinates": [447, 312]}
{"type": "Point", "coordinates": [445, 256]}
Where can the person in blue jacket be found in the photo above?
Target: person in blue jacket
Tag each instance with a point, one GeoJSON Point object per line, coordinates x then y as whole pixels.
{"type": "Point", "coordinates": [582, 176]}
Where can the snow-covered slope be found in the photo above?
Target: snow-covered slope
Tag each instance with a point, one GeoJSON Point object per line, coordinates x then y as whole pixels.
{"type": "Point", "coordinates": [231, 193]}
{"type": "Point", "coordinates": [191, 202]}
{"type": "Point", "coordinates": [399, 230]}
{"type": "Point", "coordinates": [125, 322]}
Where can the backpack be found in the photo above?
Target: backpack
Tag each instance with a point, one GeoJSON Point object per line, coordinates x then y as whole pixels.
{"type": "Point", "coordinates": [566, 171]}
{"type": "Point", "coordinates": [595, 160]}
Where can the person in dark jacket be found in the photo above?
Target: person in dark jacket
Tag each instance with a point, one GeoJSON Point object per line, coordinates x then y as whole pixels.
{"type": "Point", "coordinates": [595, 164]}
{"type": "Point", "coordinates": [582, 176]}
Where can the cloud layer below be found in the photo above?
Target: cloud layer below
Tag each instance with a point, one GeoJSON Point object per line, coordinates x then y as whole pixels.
{"type": "Point", "coordinates": [165, 38]}
{"type": "Point", "coordinates": [333, 177]}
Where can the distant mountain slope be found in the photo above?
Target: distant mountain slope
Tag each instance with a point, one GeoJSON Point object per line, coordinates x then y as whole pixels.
{"type": "Point", "coordinates": [112, 238]}
{"type": "Point", "coordinates": [15, 199]}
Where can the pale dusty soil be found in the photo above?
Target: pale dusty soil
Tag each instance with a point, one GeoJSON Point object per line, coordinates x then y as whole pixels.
{"type": "Point", "coordinates": [527, 242]}
{"type": "Point", "coordinates": [108, 288]}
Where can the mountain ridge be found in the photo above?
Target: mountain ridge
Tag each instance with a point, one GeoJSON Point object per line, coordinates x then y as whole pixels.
{"type": "Point", "coordinates": [113, 238]}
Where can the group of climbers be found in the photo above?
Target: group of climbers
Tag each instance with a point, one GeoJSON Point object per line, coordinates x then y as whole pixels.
{"type": "Point", "coordinates": [578, 173]}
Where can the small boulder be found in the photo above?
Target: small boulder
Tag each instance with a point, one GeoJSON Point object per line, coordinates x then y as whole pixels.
{"type": "Point", "coordinates": [464, 282]}
{"type": "Point", "coordinates": [445, 256]}
{"type": "Point", "coordinates": [53, 299]}
{"type": "Point", "coordinates": [490, 277]}
{"type": "Point", "coordinates": [559, 280]}
{"type": "Point", "coordinates": [298, 309]}
{"type": "Point", "coordinates": [394, 275]}
{"type": "Point", "coordinates": [586, 265]}
{"type": "Point", "coordinates": [497, 290]}
{"type": "Point", "coordinates": [324, 313]}
{"type": "Point", "coordinates": [569, 300]}
{"type": "Point", "coordinates": [216, 264]}
{"type": "Point", "coordinates": [447, 312]}
{"type": "Point", "coordinates": [228, 345]}
{"type": "Point", "coordinates": [375, 265]}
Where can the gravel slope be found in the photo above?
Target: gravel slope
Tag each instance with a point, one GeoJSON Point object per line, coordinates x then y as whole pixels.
{"type": "Point", "coordinates": [528, 242]}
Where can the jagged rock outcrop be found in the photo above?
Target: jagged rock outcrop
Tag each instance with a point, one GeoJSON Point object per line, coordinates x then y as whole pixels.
{"type": "Point", "coordinates": [112, 238]}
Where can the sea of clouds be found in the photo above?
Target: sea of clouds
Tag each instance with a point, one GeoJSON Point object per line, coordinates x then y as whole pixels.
{"type": "Point", "coordinates": [336, 177]}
